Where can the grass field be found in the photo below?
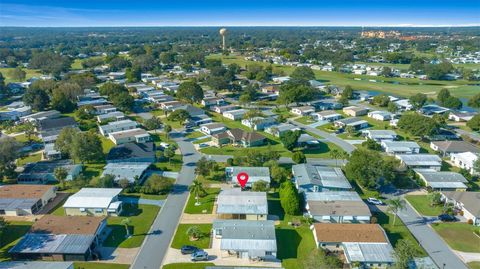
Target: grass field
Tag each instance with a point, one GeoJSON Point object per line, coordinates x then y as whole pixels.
{"type": "Point", "coordinates": [98, 265]}
{"type": "Point", "coordinates": [145, 196]}
{"type": "Point", "coordinates": [29, 159]}
{"type": "Point", "coordinates": [10, 236]}
{"type": "Point", "coordinates": [187, 265]}
{"type": "Point", "coordinates": [474, 265]}
{"type": "Point", "coordinates": [422, 205]}
{"type": "Point", "coordinates": [107, 144]}
{"type": "Point", "coordinates": [181, 237]}
{"type": "Point", "coordinates": [29, 73]}
{"type": "Point", "coordinates": [206, 202]}
{"type": "Point", "coordinates": [397, 86]}
{"type": "Point", "coordinates": [459, 236]}
{"type": "Point", "coordinates": [141, 217]}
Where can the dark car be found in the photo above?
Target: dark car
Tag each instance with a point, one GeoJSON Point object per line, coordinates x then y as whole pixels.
{"type": "Point", "coordinates": [189, 249]}
{"type": "Point", "coordinates": [447, 218]}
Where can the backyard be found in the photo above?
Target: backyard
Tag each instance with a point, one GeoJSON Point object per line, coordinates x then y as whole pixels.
{"type": "Point", "coordinates": [459, 236]}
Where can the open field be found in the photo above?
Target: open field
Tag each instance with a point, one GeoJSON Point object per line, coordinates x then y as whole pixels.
{"type": "Point", "coordinates": [29, 73]}
{"type": "Point", "coordinates": [459, 236]}
{"type": "Point", "coordinates": [397, 86]}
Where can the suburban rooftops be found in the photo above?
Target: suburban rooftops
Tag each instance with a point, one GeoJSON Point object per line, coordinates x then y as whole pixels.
{"type": "Point", "coordinates": [235, 201]}
{"type": "Point", "coordinates": [92, 198]}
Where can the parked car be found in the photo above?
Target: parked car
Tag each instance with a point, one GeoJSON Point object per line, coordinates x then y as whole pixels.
{"type": "Point", "coordinates": [447, 218]}
{"type": "Point", "coordinates": [374, 201]}
{"type": "Point", "coordinates": [203, 145]}
{"type": "Point", "coordinates": [199, 256]}
{"type": "Point", "coordinates": [189, 249]}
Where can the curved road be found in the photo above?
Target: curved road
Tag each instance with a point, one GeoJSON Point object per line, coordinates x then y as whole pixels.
{"type": "Point", "coordinates": [157, 242]}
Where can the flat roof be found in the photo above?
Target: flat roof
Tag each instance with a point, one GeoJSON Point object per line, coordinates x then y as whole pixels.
{"type": "Point", "coordinates": [333, 196]}
{"type": "Point", "coordinates": [254, 173]}
{"type": "Point", "coordinates": [54, 244]}
{"type": "Point", "coordinates": [35, 265]}
{"type": "Point", "coordinates": [441, 176]}
{"type": "Point", "coordinates": [369, 252]}
{"type": "Point", "coordinates": [349, 232]}
{"type": "Point", "coordinates": [236, 201]}
{"type": "Point", "coordinates": [92, 198]}
{"type": "Point", "coordinates": [338, 208]}
{"type": "Point", "coordinates": [324, 176]}
{"type": "Point", "coordinates": [247, 235]}
{"type": "Point", "coordinates": [51, 224]}
{"type": "Point", "coordinates": [24, 191]}
{"type": "Point", "coordinates": [128, 170]}
{"type": "Point", "coordinates": [420, 159]}
{"type": "Point", "coordinates": [128, 133]}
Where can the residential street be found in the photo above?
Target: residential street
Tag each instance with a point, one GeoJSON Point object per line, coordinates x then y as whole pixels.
{"type": "Point", "coordinates": [158, 240]}
{"type": "Point", "coordinates": [438, 250]}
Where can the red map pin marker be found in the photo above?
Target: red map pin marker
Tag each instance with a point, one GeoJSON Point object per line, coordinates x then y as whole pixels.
{"type": "Point", "coordinates": [242, 179]}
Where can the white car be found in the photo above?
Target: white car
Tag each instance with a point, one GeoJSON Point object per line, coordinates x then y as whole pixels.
{"type": "Point", "coordinates": [374, 201]}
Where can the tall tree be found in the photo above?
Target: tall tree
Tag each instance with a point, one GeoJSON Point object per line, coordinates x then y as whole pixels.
{"type": "Point", "coordinates": [303, 73]}
{"type": "Point", "coordinates": [289, 139]}
{"type": "Point", "coordinates": [9, 148]}
{"type": "Point", "coordinates": [198, 190]}
{"type": "Point", "coordinates": [36, 98]}
{"type": "Point", "coordinates": [394, 206]}
{"type": "Point", "coordinates": [60, 174]}
{"type": "Point", "coordinates": [289, 198]}
{"type": "Point", "coordinates": [87, 147]}
{"type": "Point", "coordinates": [404, 252]}
{"type": "Point", "coordinates": [190, 91]}
{"type": "Point", "coordinates": [418, 100]}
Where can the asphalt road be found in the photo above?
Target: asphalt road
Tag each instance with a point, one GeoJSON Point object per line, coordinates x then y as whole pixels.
{"type": "Point", "coordinates": [158, 240]}
{"type": "Point", "coordinates": [438, 250]}
{"type": "Point", "coordinates": [329, 137]}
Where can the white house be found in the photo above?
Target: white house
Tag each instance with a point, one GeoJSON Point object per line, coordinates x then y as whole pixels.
{"type": "Point", "coordinates": [400, 147]}
{"type": "Point", "coordinates": [421, 161]}
{"type": "Point", "coordinates": [94, 202]}
{"type": "Point", "coordinates": [466, 201]}
{"type": "Point", "coordinates": [259, 123]}
{"type": "Point", "coordinates": [117, 126]}
{"type": "Point", "coordinates": [464, 160]}
{"type": "Point", "coordinates": [327, 115]}
{"type": "Point", "coordinates": [380, 135]}
{"type": "Point", "coordinates": [254, 174]}
{"type": "Point", "coordinates": [303, 110]}
{"type": "Point", "coordinates": [134, 135]}
{"type": "Point", "coordinates": [235, 114]}
{"type": "Point", "coordinates": [380, 115]}
{"type": "Point", "coordinates": [212, 128]}
{"type": "Point", "coordinates": [461, 116]}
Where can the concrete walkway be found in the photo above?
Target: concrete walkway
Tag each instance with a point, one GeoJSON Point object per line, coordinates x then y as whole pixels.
{"type": "Point", "coordinates": [141, 201]}
{"type": "Point", "coordinates": [468, 256]}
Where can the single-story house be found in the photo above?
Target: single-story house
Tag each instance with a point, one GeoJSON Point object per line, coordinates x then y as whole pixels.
{"type": "Point", "coordinates": [380, 115]}
{"type": "Point", "coordinates": [365, 244]}
{"type": "Point", "coordinates": [42, 172]}
{"type": "Point", "coordinates": [15, 113]}
{"type": "Point", "coordinates": [466, 201]}
{"type": "Point", "coordinates": [238, 204]}
{"type": "Point", "coordinates": [420, 161]}
{"type": "Point", "coordinates": [117, 126]}
{"type": "Point", "coordinates": [259, 123]}
{"type": "Point", "coordinates": [132, 152]}
{"type": "Point", "coordinates": [56, 124]}
{"type": "Point", "coordinates": [356, 123]}
{"type": "Point", "coordinates": [317, 178]}
{"type": "Point", "coordinates": [400, 147]}
{"type": "Point", "coordinates": [36, 265]}
{"type": "Point", "coordinates": [327, 115]}
{"type": "Point", "coordinates": [212, 128]}
{"type": "Point", "coordinates": [279, 129]}
{"type": "Point", "coordinates": [42, 115]}
{"type": "Point", "coordinates": [465, 161]}
{"type": "Point", "coordinates": [222, 109]}
{"type": "Point", "coordinates": [337, 207]}
{"type": "Point", "coordinates": [404, 104]}
{"type": "Point", "coordinates": [355, 111]}
{"type": "Point", "coordinates": [380, 135]}
{"type": "Point", "coordinates": [104, 109]}
{"type": "Point", "coordinates": [449, 147]}
{"type": "Point", "coordinates": [133, 135]}
{"type": "Point", "coordinates": [254, 174]}
{"type": "Point", "coordinates": [442, 180]}
{"type": "Point", "coordinates": [235, 114]}
{"type": "Point", "coordinates": [238, 137]}
{"type": "Point", "coordinates": [433, 109]}
{"type": "Point", "coordinates": [113, 116]}
{"type": "Point", "coordinates": [94, 202]}
{"type": "Point", "coordinates": [21, 200]}
{"type": "Point", "coordinates": [213, 101]}
{"type": "Point", "coordinates": [246, 239]}
{"type": "Point", "coordinates": [60, 238]}
{"type": "Point", "coordinates": [461, 116]}
{"type": "Point", "coordinates": [170, 105]}
{"type": "Point", "coordinates": [130, 171]}
{"type": "Point", "coordinates": [303, 110]}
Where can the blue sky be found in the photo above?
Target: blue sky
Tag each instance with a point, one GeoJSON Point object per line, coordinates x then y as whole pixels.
{"type": "Point", "coordinates": [236, 13]}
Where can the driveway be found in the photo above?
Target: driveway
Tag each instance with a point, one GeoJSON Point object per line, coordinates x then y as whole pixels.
{"type": "Point", "coordinates": [433, 244]}
{"type": "Point", "coordinates": [157, 242]}
{"type": "Point", "coordinates": [141, 201]}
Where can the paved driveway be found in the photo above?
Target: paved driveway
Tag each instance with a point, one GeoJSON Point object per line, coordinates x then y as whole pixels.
{"type": "Point", "coordinates": [141, 201]}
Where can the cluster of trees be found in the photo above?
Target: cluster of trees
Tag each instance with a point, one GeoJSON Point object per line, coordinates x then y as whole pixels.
{"type": "Point", "coordinates": [370, 168]}
{"type": "Point", "coordinates": [179, 115]}
{"type": "Point", "coordinates": [255, 157]}
{"type": "Point", "coordinates": [118, 95]}
{"type": "Point", "coordinates": [8, 154]}
{"type": "Point", "coordinates": [258, 72]}
{"type": "Point", "coordinates": [432, 70]}
{"type": "Point", "coordinates": [85, 147]}
{"type": "Point", "coordinates": [418, 125]}
{"type": "Point", "coordinates": [444, 98]}
{"type": "Point", "coordinates": [289, 198]}
{"type": "Point", "coordinates": [298, 88]}
{"type": "Point", "coordinates": [190, 91]}
{"type": "Point", "coordinates": [289, 139]}
{"type": "Point", "coordinates": [50, 62]}
{"type": "Point", "coordinates": [221, 78]}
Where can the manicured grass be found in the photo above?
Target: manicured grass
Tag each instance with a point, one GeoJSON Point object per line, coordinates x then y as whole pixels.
{"type": "Point", "coordinates": [305, 120]}
{"type": "Point", "coordinates": [294, 245]}
{"type": "Point", "coordinates": [141, 217]}
{"type": "Point", "coordinates": [181, 237]}
{"type": "Point", "coordinates": [195, 134]}
{"type": "Point", "coordinates": [23, 138]}
{"type": "Point", "coordinates": [206, 202]}
{"type": "Point", "coordinates": [6, 72]}
{"type": "Point", "coordinates": [422, 205]}
{"type": "Point", "coordinates": [187, 265]}
{"type": "Point", "coordinates": [107, 144]}
{"type": "Point", "coordinates": [459, 236]}
{"type": "Point", "coordinates": [204, 140]}
{"type": "Point", "coordinates": [99, 265]}
{"type": "Point", "coordinates": [174, 164]}
{"type": "Point", "coordinates": [93, 170]}
{"type": "Point", "coordinates": [29, 159]}
{"type": "Point", "coordinates": [474, 265]}
{"type": "Point", "coordinates": [10, 236]}
{"type": "Point", "coordinates": [145, 196]}
{"type": "Point", "coordinates": [58, 211]}
{"type": "Point", "coordinates": [397, 232]}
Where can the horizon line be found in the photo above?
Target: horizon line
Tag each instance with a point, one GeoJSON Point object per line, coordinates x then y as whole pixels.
{"type": "Point", "coordinates": [224, 25]}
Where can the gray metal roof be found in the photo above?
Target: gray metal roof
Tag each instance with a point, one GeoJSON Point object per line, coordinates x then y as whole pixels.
{"type": "Point", "coordinates": [125, 170]}
{"type": "Point", "coordinates": [369, 252]}
{"type": "Point", "coordinates": [400, 145]}
{"type": "Point", "coordinates": [235, 201]}
{"type": "Point", "coordinates": [324, 176]}
{"type": "Point", "coordinates": [469, 199]}
{"type": "Point", "coordinates": [333, 196]}
{"type": "Point", "coordinates": [36, 265]}
{"type": "Point", "coordinates": [338, 208]}
{"type": "Point", "coordinates": [11, 204]}
{"type": "Point", "coordinates": [246, 235]}
{"type": "Point", "coordinates": [442, 179]}
{"type": "Point", "coordinates": [254, 173]}
{"type": "Point", "coordinates": [420, 159]}
{"type": "Point", "coordinates": [381, 133]}
{"type": "Point", "coordinates": [51, 243]}
{"type": "Point", "coordinates": [352, 121]}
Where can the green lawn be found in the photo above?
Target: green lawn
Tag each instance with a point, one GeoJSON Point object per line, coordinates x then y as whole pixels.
{"type": "Point", "coordinates": [195, 134]}
{"type": "Point", "coordinates": [10, 236]}
{"type": "Point", "coordinates": [141, 217]}
{"type": "Point", "coordinates": [459, 236]}
{"type": "Point", "coordinates": [107, 144]}
{"type": "Point", "coordinates": [305, 120]}
{"type": "Point", "coordinates": [187, 265]}
{"type": "Point", "coordinates": [474, 265]}
{"type": "Point", "coordinates": [181, 237]}
{"type": "Point", "coordinates": [204, 140]}
{"type": "Point", "coordinates": [29, 73]}
{"type": "Point", "coordinates": [146, 196]}
{"type": "Point", "coordinates": [397, 232]}
{"type": "Point", "coordinates": [206, 202]}
{"type": "Point", "coordinates": [29, 159]}
{"type": "Point", "coordinates": [174, 164]}
{"type": "Point", "coordinates": [99, 265]}
{"type": "Point", "coordinates": [422, 205]}
{"type": "Point", "coordinates": [23, 138]}
{"type": "Point", "coordinates": [93, 170]}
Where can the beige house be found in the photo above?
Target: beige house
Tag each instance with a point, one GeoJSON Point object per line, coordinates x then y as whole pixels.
{"type": "Point", "coordinates": [135, 135]}
{"type": "Point", "coordinates": [94, 202]}
{"type": "Point", "coordinates": [355, 111]}
{"type": "Point", "coordinates": [21, 200]}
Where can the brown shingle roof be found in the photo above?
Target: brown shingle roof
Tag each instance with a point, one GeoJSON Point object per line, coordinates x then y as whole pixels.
{"type": "Point", "coordinates": [24, 191]}
{"type": "Point", "coordinates": [67, 224]}
{"type": "Point", "coordinates": [351, 232]}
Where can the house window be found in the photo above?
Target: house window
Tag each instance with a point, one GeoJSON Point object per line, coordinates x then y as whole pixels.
{"type": "Point", "coordinates": [82, 209]}
{"type": "Point", "coordinates": [315, 188]}
{"type": "Point", "coordinates": [98, 210]}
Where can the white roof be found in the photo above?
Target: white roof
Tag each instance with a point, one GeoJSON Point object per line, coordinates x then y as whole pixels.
{"type": "Point", "coordinates": [369, 252]}
{"type": "Point", "coordinates": [468, 158]}
{"type": "Point", "coordinates": [92, 198]}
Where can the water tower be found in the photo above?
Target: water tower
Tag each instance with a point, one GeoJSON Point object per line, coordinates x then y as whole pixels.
{"type": "Point", "coordinates": [223, 32]}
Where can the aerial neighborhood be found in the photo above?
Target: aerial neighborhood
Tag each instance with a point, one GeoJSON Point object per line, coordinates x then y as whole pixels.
{"type": "Point", "coordinates": [174, 148]}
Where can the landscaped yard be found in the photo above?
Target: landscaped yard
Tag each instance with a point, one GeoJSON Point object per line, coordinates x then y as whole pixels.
{"type": "Point", "coordinates": [422, 205]}
{"type": "Point", "coordinates": [206, 202]}
{"type": "Point", "coordinates": [145, 196]}
{"type": "Point", "coordinates": [305, 120]}
{"type": "Point", "coordinates": [36, 157]}
{"type": "Point", "coordinates": [141, 217]}
{"type": "Point", "coordinates": [187, 265]}
{"type": "Point", "coordinates": [459, 236]}
{"type": "Point", "coordinates": [181, 238]}
{"type": "Point", "coordinates": [107, 144]}
{"type": "Point", "coordinates": [99, 265]}
{"type": "Point", "coordinates": [474, 265]}
{"type": "Point", "coordinates": [10, 236]}
{"type": "Point", "coordinates": [92, 171]}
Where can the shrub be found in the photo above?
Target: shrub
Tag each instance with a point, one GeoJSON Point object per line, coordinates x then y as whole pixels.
{"type": "Point", "coordinates": [470, 221]}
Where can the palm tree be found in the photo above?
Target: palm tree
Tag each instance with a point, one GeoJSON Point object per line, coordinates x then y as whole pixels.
{"type": "Point", "coordinates": [344, 155]}
{"type": "Point", "coordinates": [335, 154]}
{"type": "Point", "coordinates": [126, 222]}
{"type": "Point", "coordinates": [197, 189]}
{"type": "Point", "coordinates": [395, 205]}
{"type": "Point", "coordinates": [194, 233]}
